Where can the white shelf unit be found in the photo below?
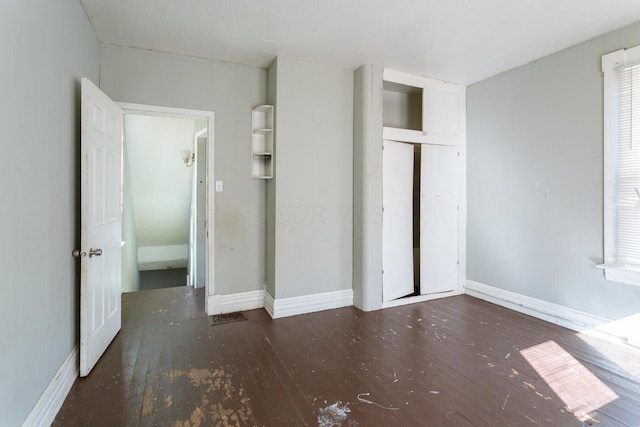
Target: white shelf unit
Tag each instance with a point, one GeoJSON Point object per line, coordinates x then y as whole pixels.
{"type": "Point", "coordinates": [262, 142]}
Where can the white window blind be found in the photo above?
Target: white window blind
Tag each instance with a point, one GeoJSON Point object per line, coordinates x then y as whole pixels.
{"type": "Point", "coordinates": [621, 70]}
{"type": "Point", "coordinates": [627, 187]}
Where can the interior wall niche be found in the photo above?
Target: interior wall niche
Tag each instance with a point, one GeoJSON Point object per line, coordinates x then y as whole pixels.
{"type": "Point", "coordinates": [401, 106]}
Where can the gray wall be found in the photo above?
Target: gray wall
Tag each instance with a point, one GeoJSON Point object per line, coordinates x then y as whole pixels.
{"type": "Point", "coordinates": [46, 47]}
{"type": "Point", "coordinates": [230, 91]}
{"type": "Point", "coordinates": [161, 183]}
{"type": "Point", "coordinates": [130, 272]}
{"type": "Point", "coordinates": [312, 206]}
{"type": "Point", "coordinates": [535, 180]}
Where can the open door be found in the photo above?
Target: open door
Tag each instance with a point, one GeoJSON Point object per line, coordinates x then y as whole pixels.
{"type": "Point", "coordinates": [101, 224]}
{"type": "Point", "coordinates": [397, 220]}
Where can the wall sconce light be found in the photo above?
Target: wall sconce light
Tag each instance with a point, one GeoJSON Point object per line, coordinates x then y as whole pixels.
{"type": "Point", "coordinates": [187, 157]}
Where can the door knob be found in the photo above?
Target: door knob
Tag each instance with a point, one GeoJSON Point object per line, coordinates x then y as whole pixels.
{"type": "Point", "coordinates": [77, 254]}
{"type": "Point", "coordinates": [95, 252]}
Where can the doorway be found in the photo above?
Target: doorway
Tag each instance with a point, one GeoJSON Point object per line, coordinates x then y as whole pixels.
{"type": "Point", "coordinates": [167, 157]}
{"type": "Point", "coordinates": [104, 242]}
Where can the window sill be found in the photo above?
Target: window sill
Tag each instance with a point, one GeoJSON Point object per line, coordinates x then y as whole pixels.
{"type": "Point", "coordinates": [621, 273]}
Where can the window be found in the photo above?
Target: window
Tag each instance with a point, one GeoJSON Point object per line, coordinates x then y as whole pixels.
{"type": "Point", "coordinates": [622, 165]}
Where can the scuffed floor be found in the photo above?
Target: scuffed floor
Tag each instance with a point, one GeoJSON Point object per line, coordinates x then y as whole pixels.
{"type": "Point", "coordinates": [454, 362]}
{"type": "Point", "coordinates": [221, 402]}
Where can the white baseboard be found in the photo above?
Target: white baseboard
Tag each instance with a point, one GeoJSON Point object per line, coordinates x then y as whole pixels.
{"type": "Point", "coordinates": [285, 307]}
{"type": "Point", "coordinates": [51, 400]}
{"type": "Point", "coordinates": [268, 303]}
{"type": "Point", "coordinates": [620, 331]}
{"type": "Point", "coordinates": [420, 298]}
{"type": "Point", "coordinates": [219, 304]}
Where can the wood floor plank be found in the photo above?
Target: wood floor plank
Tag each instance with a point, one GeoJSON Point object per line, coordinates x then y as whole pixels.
{"type": "Point", "coordinates": [444, 373]}
{"type": "Point", "coordinates": [455, 361]}
{"type": "Point", "coordinates": [164, 395]}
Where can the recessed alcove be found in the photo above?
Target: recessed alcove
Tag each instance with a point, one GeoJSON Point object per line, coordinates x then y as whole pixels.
{"type": "Point", "coordinates": [401, 106]}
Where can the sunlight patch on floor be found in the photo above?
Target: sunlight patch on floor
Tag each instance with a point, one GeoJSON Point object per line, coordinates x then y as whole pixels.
{"type": "Point", "coordinates": [580, 390]}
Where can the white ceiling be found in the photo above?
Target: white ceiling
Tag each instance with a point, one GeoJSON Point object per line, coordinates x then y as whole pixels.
{"type": "Point", "coordinates": [461, 41]}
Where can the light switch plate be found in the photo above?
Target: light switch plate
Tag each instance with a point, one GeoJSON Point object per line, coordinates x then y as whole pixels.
{"type": "Point", "coordinates": [219, 186]}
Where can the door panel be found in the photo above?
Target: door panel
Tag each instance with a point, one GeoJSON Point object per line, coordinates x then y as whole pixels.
{"type": "Point", "coordinates": [438, 219]}
{"type": "Point", "coordinates": [440, 111]}
{"type": "Point", "coordinates": [101, 228]}
{"type": "Point", "coordinates": [397, 220]}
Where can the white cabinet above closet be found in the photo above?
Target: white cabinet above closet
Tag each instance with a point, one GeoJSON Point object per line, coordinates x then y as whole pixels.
{"type": "Point", "coordinates": [262, 142]}
{"type": "Point", "coordinates": [420, 110]}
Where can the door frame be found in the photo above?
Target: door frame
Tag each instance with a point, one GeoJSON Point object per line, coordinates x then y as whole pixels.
{"type": "Point", "coordinates": [145, 109]}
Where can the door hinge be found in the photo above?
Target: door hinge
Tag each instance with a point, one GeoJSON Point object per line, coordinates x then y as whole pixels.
{"type": "Point", "coordinates": [382, 271]}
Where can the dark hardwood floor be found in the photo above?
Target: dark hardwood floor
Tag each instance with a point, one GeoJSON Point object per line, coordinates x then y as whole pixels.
{"type": "Point", "coordinates": [452, 362]}
{"type": "Point", "coordinates": [167, 278]}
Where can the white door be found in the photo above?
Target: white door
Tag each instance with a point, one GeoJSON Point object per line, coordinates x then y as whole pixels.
{"type": "Point", "coordinates": [201, 205]}
{"type": "Point", "coordinates": [438, 219]}
{"type": "Point", "coordinates": [101, 218]}
{"type": "Point", "coordinates": [197, 230]}
{"type": "Point", "coordinates": [397, 220]}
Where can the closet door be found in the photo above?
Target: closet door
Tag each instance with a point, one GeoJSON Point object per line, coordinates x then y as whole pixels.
{"type": "Point", "coordinates": [438, 219]}
{"type": "Point", "coordinates": [397, 220]}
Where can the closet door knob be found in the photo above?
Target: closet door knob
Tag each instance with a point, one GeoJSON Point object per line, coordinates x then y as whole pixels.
{"type": "Point", "coordinates": [77, 254]}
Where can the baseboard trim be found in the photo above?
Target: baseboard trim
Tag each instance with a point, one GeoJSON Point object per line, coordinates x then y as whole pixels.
{"type": "Point", "coordinates": [51, 400]}
{"type": "Point", "coordinates": [269, 303]}
{"type": "Point", "coordinates": [219, 304]}
{"type": "Point", "coordinates": [420, 298]}
{"type": "Point", "coordinates": [285, 307]}
{"type": "Point", "coordinates": [620, 331]}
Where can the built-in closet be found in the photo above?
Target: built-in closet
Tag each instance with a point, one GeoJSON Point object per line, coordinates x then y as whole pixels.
{"type": "Point", "coordinates": [409, 187]}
